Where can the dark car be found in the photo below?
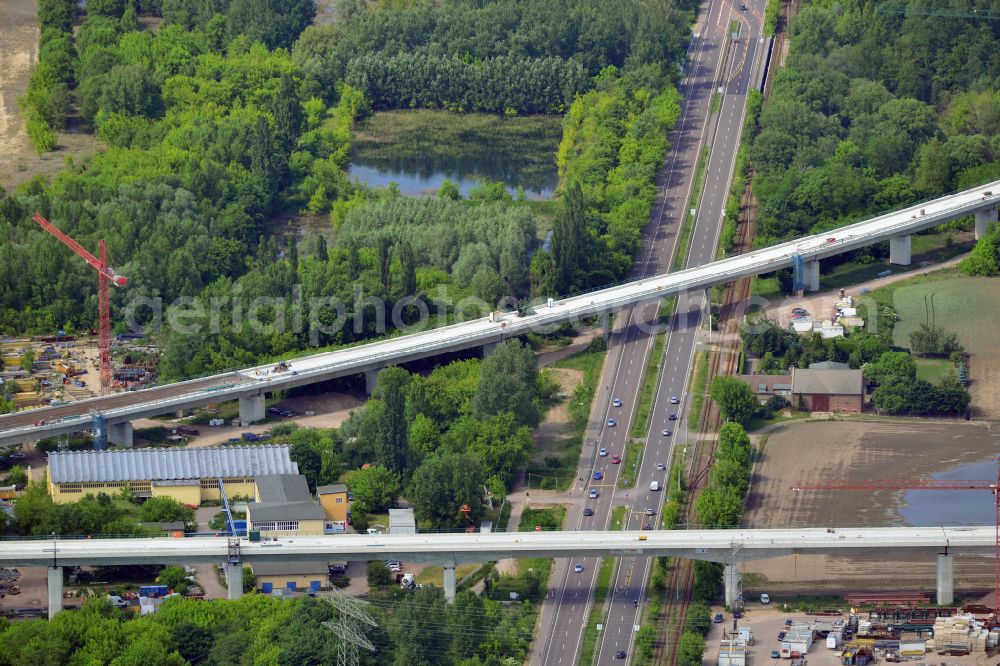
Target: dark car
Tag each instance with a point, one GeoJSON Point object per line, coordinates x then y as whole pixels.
{"type": "Point", "coordinates": [588, 511]}
{"type": "Point", "coordinates": [673, 417]}
{"type": "Point", "coordinates": [781, 635]}
{"type": "Point", "coordinates": [620, 654]}
{"type": "Point", "coordinates": [718, 618]}
{"type": "Point", "coordinates": [743, 8]}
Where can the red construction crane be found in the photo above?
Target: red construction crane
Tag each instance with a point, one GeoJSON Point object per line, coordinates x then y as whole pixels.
{"type": "Point", "coordinates": [105, 276]}
{"type": "Point", "coordinates": [928, 484]}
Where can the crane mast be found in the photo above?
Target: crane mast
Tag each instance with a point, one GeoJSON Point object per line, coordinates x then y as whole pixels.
{"type": "Point", "coordinates": [106, 276]}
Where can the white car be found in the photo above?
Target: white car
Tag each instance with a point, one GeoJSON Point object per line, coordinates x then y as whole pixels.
{"type": "Point", "coordinates": [578, 568]}
{"type": "Point", "coordinates": [661, 467]}
{"type": "Point", "coordinates": [612, 423]}
{"type": "Point", "coordinates": [674, 400]}
{"type": "Point", "coordinates": [617, 402]}
{"type": "Point", "coordinates": [667, 432]}
{"type": "Point", "coordinates": [603, 452]}
{"type": "Point", "coordinates": [594, 493]}
{"type": "Point", "coordinates": [765, 599]}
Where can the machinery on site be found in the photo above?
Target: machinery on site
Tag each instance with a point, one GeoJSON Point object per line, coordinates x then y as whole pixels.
{"type": "Point", "coordinates": [106, 276]}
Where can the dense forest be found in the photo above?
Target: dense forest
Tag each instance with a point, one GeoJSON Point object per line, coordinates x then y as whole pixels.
{"type": "Point", "coordinates": [876, 108]}
{"type": "Point", "coordinates": [214, 127]}
{"type": "Point", "coordinates": [413, 629]}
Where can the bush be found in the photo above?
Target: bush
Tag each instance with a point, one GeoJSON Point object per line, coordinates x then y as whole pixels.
{"type": "Point", "coordinates": [41, 135]}
{"type": "Point", "coordinates": [378, 574]}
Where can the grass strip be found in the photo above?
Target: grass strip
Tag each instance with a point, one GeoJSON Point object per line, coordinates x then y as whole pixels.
{"type": "Point", "coordinates": [698, 386]}
{"type": "Point", "coordinates": [688, 227]}
{"type": "Point", "coordinates": [630, 464]}
{"type": "Point", "coordinates": [644, 410]}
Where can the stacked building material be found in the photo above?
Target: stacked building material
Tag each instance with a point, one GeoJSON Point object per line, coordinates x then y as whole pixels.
{"type": "Point", "coordinates": [959, 633]}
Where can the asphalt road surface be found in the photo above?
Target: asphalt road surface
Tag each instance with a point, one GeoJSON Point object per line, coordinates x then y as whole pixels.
{"type": "Point", "coordinates": [564, 617]}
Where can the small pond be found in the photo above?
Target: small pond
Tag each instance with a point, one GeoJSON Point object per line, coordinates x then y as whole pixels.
{"type": "Point", "coordinates": [419, 149]}
{"type": "Point", "coordinates": [932, 508]}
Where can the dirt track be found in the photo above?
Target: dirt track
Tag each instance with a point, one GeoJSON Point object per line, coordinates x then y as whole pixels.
{"type": "Point", "coordinates": [844, 450]}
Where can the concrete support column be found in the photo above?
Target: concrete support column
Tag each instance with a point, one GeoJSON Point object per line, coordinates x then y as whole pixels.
{"type": "Point", "coordinates": [234, 580]}
{"type": "Point", "coordinates": [181, 413]}
{"type": "Point", "coordinates": [983, 219]}
{"type": "Point", "coordinates": [945, 579]}
{"type": "Point", "coordinates": [120, 434]}
{"type": "Point", "coordinates": [251, 409]}
{"type": "Point", "coordinates": [449, 583]}
{"type": "Point", "coordinates": [606, 326]}
{"type": "Point", "coordinates": [489, 348]}
{"type": "Point", "coordinates": [371, 381]}
{"type": "Point", "coordinates": [731, 579]}
{"type": "Point", "coordinates": [55, 590]}
{"type": "Point", "coordinates": [811, 282]}
{"type": "Point", "coordinates": [899, 250]}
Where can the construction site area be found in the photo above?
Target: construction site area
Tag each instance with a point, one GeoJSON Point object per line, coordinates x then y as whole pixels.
{"type": "Point", "coordinates": [866, 452]}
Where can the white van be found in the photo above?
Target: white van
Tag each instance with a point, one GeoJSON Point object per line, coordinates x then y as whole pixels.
{"type": "Point", "coordinates": [117, 602]}
{"type": "Point", "coordinates": [654, 485]}
{"type": "Point", "coordinates": [372, 530]}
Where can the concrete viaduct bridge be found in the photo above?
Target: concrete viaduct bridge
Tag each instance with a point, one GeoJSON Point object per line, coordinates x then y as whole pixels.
{"type": "Point", "coordinates": [729, 546]}
{"type": "Point", "coordinates": [251, 385]}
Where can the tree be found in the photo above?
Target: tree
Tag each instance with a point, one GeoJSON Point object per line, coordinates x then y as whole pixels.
{"type": "Point", "coordinates": [567, 239]}
{"type": "Point", "coordinates": [392, 428]}
{"type": "Point", "coordinates": [17, 477]}
{"type": "Point", "coordinates": [734, 398]}
{"type": "Point", "coordinates": [309, 460]}
{"type": "Point", "coordinates": [378, 574]}
{"type": "Point", "coordinates": [418, 633]}
{"type": "Point", "coordinates": [249, 580]}
{"type": "Point", "coordinates": [983, 258]}
{"type": "Point", "coordinates": [424, 436]}
{"type": "Point", "coordinates": [934, 340]}
{"type": "Point", "coordinates": [28, 360]}
{"type": "Point", "coordinates": [508, 383]}
{"type": "Point", "coordinates": [375, 487]}
{"type": "Point", "coordinates": [382, 253]}
{"type": "Point", "coordinates": [449, 190]}
{"type": "Point", "coordinates": [719, 507]}
{"type": "Point", "coordinates": [442, 484]}
{"type": "Point", "coordinates": [165, 510]}
{"type": "Point", "coordinates": [408, 269]}
{"type": "Point", "coordinates": [690, 649]}
{"type": "Point", "coordinates": [891, 364]}
{"type": "Point", "coordinates": [175, 578]}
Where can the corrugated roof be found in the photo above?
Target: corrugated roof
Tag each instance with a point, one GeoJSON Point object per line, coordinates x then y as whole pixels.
{"type": "Point", "coordinates": [826, 382]}
{"type": "Point", "coordinates": [282, 488]}
{"type": "Point", "coordinates": [335, 488]}
{"type": "Point", "coordinates": [165, 464]}
{"type": "Point", "coordinates": [267, 511]}
{"type": "Point", "coordinates": [829, 365]}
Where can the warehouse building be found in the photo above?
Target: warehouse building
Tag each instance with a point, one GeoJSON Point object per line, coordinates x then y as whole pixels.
{"type": "Point", "coordinates": [190, 476]}
{"type": "Point", "coordinates": [828, 390]}
{"type": "Point", "coordinates": [284, 507]}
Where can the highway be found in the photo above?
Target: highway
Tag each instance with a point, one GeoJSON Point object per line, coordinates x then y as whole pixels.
{"type": "Point", "coordinates": [49, 421]}
{"type": "Point", "coordinates": [738, 77]}
{"type": "Point", "coordinates": [564, 621]}
{"type": "Point", "coordinates": [459, 548]}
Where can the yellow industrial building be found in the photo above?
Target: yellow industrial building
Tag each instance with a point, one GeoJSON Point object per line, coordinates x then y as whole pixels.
{"type": "Point", "coordinates": [190, 476]}
{"type": "Point", "coordinates": [334, 500]}
{"type": "Point", "coordinates": [291, 576]}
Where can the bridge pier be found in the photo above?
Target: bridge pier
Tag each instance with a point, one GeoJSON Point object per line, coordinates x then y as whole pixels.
{"type": "Point", "coordinates": [251, 409]}
{"type": "Point", "coordinates": [55, 584]}
{"type": "Point", "coordinates": [606, 326]}
{"type": "Point", "coordinates": [731, 580]}
{"type": "Point", "coordinates": [811, 277]}
{"type": "Point", "coordinates": [984, 218]}
{"type": "Point", "coordinates": [489, 348]}
{"type": "Point", "coordinates": [120, 434]}
{"type": "Point", "coordinates": [945, 579]}
{"type": "Point", "coordinates": [234, 580]}
{"type": "Point", "coordinates": [900, 250]}
{"type": "Point", "coordinates": [449, 583]}
{"type": "Point", "coordinates": [371, 380]}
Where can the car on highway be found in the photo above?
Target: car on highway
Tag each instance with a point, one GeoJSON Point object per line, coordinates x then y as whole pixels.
{"type": "Point", "coordinates": [674, 400]}
{"type": "Point", "coordinates": [660, 467]}
{"type": "Point", "coordinates": [603, 452]}
{"type": "Point", "coordinates": [578, 568]}
{"type": "Point", "coordinates": [718, 618]}
{"type": "Point", "coordinates": [617, 402]}
{"type": "Point", "coordinates": [743, 8]}
{"type": "Point", "coordinates": [594, 494]}
{"type": "Point", "coordinates": [831, 239]}
{"type": "Point", "coordinates": [615, 459]}
{"type": "Point", "coordinates": [667, 432]}
{"type": "Point", "coordinates": [588, 511]}
{"type": "Point", "coordinates": [612, 423]}
{"type": "Point", "coordinates": [598, 475]}
{"type": "Point", "coordinates": [39, 423]}
{"type": "Point", "coordinates": [672, 417]}
{"type": "Point", "coordinates": [650, 512]}
{"type": "Point", "coordinates": [620, 654]}
{"type": "Point", "coordinates": [646, 526]}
